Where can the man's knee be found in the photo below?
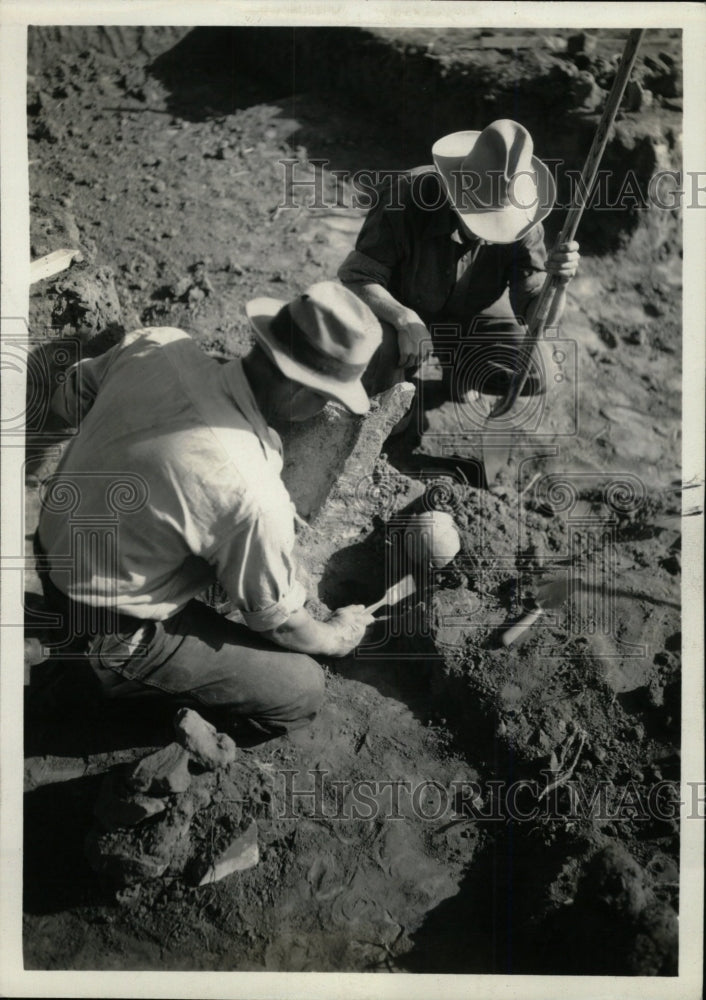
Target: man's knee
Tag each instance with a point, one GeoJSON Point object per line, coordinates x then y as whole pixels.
{"type": "Point", "coordinates": [309, 689]}
{"type": "Point", "coordinates": [300, 694]}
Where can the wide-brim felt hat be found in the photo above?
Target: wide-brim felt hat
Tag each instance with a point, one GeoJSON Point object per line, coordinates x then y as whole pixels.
{"type": "Point", "coordinates": [324, 339]}
{"type": "Point", "coordinates": [493, 180]}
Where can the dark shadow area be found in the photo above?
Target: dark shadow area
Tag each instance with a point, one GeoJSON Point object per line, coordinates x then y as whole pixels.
{"type": "Point", "coordinates": [66, 716]}
{"type": "Point", "coordinates": [57, 818]}
{"type": "Point", "coordinates": [217, 71]}
{"type": "Point", "coordinates": [415, 96]}
{"type": "Point", "coordinates": [494, 924]}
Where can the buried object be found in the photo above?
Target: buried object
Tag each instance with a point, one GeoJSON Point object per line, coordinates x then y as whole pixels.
{"type": "Point", "coordinates": [431, 539]}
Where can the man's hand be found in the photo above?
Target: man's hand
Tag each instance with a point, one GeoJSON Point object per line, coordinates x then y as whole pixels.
{"type": "Point", "coordinates": [338, 636]}
{"type": "Point", "coordinates": [349, 624]}
{"type": "Point", "coordinates": [563, 261]}
{"type": "Point", "coordinates": [413, 338]}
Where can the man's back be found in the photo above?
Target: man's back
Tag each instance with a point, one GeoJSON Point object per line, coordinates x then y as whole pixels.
{"type": "Point", "coordinates": [172, 465]}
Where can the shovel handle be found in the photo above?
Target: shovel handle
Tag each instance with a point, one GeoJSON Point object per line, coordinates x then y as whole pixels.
{"type": "Point", "coordinates": [573, 217]}
{"type": "Point", "coordinates": [378, 604]}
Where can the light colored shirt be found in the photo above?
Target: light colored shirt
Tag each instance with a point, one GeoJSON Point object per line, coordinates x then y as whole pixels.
{"type": "Point", "coordinates": [172, 482]}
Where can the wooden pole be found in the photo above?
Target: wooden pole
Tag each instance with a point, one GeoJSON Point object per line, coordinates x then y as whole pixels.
{"type": "Point", "coordinates": [573, 217]}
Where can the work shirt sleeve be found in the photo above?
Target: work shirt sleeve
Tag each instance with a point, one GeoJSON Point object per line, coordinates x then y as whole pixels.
{"type": "Point", "coordinates": [381, 242]}
{"type": "Point", "coordinates": [526, 271]}
{"type": "Point", "coordinates": [76, 394]}
{"type": "Point", "coordinates": [256, 566]}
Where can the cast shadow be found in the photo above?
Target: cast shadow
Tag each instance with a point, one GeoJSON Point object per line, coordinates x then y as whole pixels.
{"type": "Point", "coordinates": [56, 875]}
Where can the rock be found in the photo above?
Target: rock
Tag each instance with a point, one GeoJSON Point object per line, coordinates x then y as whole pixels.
{"type": "Point", "coordinates": [616, 882]}
{"type": "Point", "coordinates": [672, 564]}
{"type": "Point", "coordinates": [135, 855]}
{"type": "Point", "coordinates": [124, 863]}
{"type": "Point", "coordinates": [158, 186]}
{"type": "Point", "coordinates": [585, 91]}
{"type": "Point", "coordinates": [581, 42]}
{"type": "Point", "coordinates": [164, 772]}
{"type": "Point", "coordinates": [205, 744]}
{"type": "Point", "coordinates": [636, 336]}
{"type": "Point", "coordinates": [87, 301]}
{"type": "Point", "coordinates": [633, 98]}
{"type": "Point", "coordinates": [337, 447]}
{"type": "Point", "coordinates": [115, 811]}
{"type": "Point", "coordinates": [241, 854]}
{"type": "Point", "coordinates": [656, 945]}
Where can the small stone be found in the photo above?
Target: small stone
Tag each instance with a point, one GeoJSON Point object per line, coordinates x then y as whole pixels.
{"type": "Point", "coordinates": [181, 288]}
{"type": "Point", "coordinates": [162, 773]}
{"type": "Point", "coordinates": [655, 695]}
{"type": "Point", "coordinates": [158, 186]}
{"type": "Point", "coordinates": [205, 744]}
{"type": "Point", "coordinates": [672, 564]}
{"type": "Point", "coordinates": [129, 895]}
{"type": "Point", "coordinates": [543, 741]}
{"type": "Point", "coordinates": [633, 97]}
{"type": "Point", "coordinates": [241, 854]}
{"type": "Point", "coordinates": [581, 42]}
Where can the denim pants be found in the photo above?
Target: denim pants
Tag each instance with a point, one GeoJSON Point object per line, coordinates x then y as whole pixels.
{"type": "Point", "coordinates": [197, 657]}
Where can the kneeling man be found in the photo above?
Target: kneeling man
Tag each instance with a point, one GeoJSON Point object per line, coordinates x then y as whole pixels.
{"type": "Point", "coordinates": [173, 483]}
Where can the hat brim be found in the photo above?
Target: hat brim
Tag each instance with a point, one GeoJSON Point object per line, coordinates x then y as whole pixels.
{"type": "Point", "coordinates": [511, 222]}
{"type": "Point", "coordinates": [352, 395]}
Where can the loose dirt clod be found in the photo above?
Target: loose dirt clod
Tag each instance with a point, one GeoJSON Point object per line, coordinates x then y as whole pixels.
{"type": "Point", "coordinates": [116, 807]}
{"type": "Point", "coordinates": [162, 773]}
{"type": "Point", "coordinates": [205, 744]}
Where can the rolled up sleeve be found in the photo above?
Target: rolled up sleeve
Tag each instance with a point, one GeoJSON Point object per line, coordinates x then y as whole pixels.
{"type": "Point", "coordinates": [257, 568]}
{"type": "Point", "coordinates": [381, 242]}
{"type": "Point", "coordinates": [526, 271]}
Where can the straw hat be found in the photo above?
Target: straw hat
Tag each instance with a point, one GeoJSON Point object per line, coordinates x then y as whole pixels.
{"type": "Point", "coordinates": [494, 182]}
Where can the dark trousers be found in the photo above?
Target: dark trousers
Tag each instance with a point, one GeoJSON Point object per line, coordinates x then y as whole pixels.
{"type": "Point", "coordinates": [197, 657]}
{"type": "Point", "coordinates": [479, 354]}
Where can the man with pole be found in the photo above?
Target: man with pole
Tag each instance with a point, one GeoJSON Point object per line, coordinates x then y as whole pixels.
{"type": "Point", "coordinates": [446, 245]}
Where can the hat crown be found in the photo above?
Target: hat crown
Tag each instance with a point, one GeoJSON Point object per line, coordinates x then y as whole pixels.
{"type": "Point", "coordinates": [493, 180]}
{"type": "Point", "coordinates": [504, 147]}
{"type": "Point", "coordinates": [337, 323]}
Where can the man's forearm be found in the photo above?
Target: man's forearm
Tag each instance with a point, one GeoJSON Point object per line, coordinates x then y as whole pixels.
{"type": "Point", "coordinates": [383, 303]}
{"type": "Point", "coordinates": [304, 634]}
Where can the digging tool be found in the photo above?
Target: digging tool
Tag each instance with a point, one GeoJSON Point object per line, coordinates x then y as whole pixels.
{"type": "Point", "coordinates": [394, 594]}
{"type": "Point", "coordinates": [550, 594]}
{"type": "Point", "coordinates": [544, 316]}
